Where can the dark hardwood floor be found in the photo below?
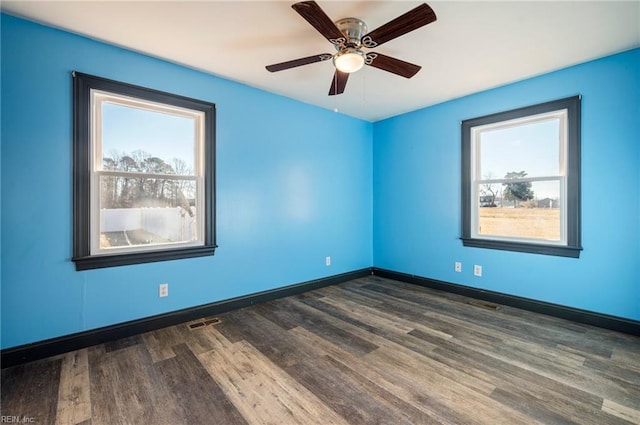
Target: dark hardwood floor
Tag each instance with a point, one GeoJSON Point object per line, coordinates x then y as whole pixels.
{"type": "Point", "coordinates": [369, 351]}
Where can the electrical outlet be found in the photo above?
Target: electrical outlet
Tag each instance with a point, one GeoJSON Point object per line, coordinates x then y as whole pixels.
{"type": "Point", "coordinates": [477, 270]}
{"type": "Point", "coordinates": [327, 261]}
{"type": "Point", "coordinates": [163, 290]}
{"type": "Point", "coordinates": [458, 267]}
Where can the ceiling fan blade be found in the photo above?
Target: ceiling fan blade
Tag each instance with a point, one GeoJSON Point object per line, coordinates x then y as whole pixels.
{"type": "Point", "coordinates": [413, 19]}
{"type": "Point", "coordinates": [313, 14]}
{"type": "Point", "coordinates": [338, 83]}
{"type": "Point", "coordinates": [298, 62]}
{"type": "Point", "coordinates": [393, 65]}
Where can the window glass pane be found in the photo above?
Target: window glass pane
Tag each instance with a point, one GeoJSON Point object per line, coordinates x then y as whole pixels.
{"type": "Point", "coordinates": [135, 212]}
{"type": "Point", "coordinates": [147, 141]}
{"type": "Point", "coordinates": [535, 215]}
{"type": "Point", "coordinates": [533, 148]}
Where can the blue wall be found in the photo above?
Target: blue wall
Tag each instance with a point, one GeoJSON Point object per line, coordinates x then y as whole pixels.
{"type": "Point", "coordinates": [293, 181]}
{"type": "Point", "coordinates": [297, 183]}
{"type": "Point", "coordinates": [417, 192]}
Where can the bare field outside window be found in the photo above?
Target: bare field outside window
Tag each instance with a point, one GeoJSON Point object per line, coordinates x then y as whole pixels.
{"type": "Point", "coordinates": [537, 223]}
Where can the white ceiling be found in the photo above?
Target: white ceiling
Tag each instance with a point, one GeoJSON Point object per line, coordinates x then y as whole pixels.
{"type": "Point", "coordinates": [472, 46]}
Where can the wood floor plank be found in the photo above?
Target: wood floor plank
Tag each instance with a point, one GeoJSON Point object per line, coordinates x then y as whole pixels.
{"type": "Point", "coordinates": [199, 397]}
{"type": "Point", "coordinates": [520, 388]}
{"type": "Point", "coordinates": [377, 318]}
{"type": "Point", "coordinates": [360, 298]}
{"type": "Point", "coordinates": [479, 407]}
{"type": "Point", "coordinates": [532, 375]}
{"type": "Point", "coordinates": [377, 336]}
{"type": "Point", "coordinates": [613, 371]}
{"type": "Point", "coordinates": [411, 397]}
{"type": "Point", "coordinates": [504, 323]}
{"type": "Point", "coordinates": [127, 389]}
{"type": "Point", "coordinates": [627, 357]}
{"type": "Point", "coordinates": [263, 392]}
{"type": "Point", "coordinates": [30, 391]}
{"type": "Point", "coordinates": [342, 394]}
{"type": "Point", "coordinates": [159, 348]}
{"type": "Point", "coordinates": [629, 414]}
{"type": "Point", "coordinates": [543, 413]}
{"type": "Point", "coordinates": [122, 343]}
{"type": "Point", "coordinates": [288, 314]}
{"type": "Point", "coordinates": [584, 378]}
{"type": "Point", "coordinates": [74, 398]}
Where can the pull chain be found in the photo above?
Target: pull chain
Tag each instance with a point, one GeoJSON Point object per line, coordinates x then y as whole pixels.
{"type": "Point", "coordinates": [335, 96]}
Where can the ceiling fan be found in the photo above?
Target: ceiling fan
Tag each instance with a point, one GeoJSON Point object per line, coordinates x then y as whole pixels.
{"type": "Point", "coordinates": [349, 36]}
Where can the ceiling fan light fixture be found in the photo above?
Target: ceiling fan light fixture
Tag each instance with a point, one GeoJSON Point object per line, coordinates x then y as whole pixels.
{"type": "Point", "coordinates": [349, 60]}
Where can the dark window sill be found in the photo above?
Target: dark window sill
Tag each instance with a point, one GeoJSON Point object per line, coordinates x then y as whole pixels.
{"type": "Point", "coordinates": [556, 250]}
{"type": "Point", "coordinates": [101, 261]}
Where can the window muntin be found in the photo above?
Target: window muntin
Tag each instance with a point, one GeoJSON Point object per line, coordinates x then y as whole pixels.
{"type": "Point", "coordinates": [520, 179]}
{"type": "Point", "coordinates": [143, 174]}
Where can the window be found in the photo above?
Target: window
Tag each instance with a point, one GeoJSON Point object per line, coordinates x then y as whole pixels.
{"type": "Point", "coordinates": [143, 175]}
{"type": "Point", "coordinates": [521, 179]}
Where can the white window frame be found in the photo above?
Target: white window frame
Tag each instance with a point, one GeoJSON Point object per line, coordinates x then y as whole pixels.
{"type": "Point", "coordinates": [567, 111]}
{"type": "Point", "coordinates": [98, 98]}
{"type": "Point", "coordinates": [478, 181]}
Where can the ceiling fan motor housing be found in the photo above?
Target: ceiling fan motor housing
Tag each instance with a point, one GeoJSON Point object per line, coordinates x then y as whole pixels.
{"type": "Point", "coordinates": [353, 29]}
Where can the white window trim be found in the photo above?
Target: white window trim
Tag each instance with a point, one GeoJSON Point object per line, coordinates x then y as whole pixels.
{"type": "Point", "coordinates": [477, 181]}
{"type": "Point", "coordinates": [98, 98]}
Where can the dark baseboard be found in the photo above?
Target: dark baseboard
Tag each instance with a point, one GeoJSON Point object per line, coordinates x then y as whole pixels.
{"type": "Point", "coordinates": [615, 323]}
{"type": "Point", "coordinates": [51, 347]}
